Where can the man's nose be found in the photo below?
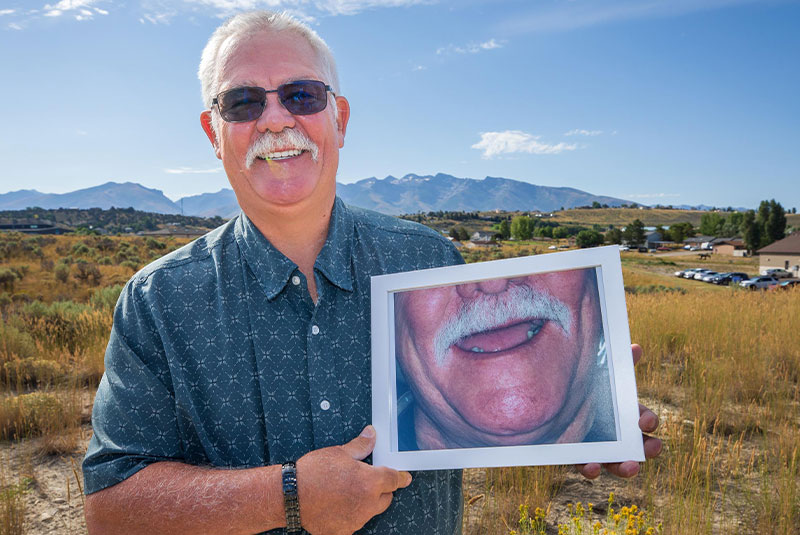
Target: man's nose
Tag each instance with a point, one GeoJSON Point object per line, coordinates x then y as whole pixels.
{"type": "Point", "coordinates": [274, 117]}
{"type": "Point", "coordinates": [489, 286]}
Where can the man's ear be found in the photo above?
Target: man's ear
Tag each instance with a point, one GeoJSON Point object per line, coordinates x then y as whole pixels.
{"type": "Point", "coordinates": [208, 128]}
{"type": "Point", "coordinates": [342, 116]}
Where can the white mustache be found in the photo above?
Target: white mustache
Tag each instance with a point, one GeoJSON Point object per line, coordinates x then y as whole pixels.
{"type": "Point", "coordinates": [517, 303]}
{"type": "Point", "coordinates": [286, 139]}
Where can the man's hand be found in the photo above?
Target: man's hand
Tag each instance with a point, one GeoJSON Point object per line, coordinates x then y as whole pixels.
{"type": "Point", "coordinates": [338, 493]}
{"type": "Point", "coordinates": [648, 422]}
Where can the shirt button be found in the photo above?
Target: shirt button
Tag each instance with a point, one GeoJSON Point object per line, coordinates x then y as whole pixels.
{"type": "Point", "coordinates": [296, 280]}
{"type": "Point", "coordinates": [325, 405]}
{"type": "Point", "coordinates": [314, 329]}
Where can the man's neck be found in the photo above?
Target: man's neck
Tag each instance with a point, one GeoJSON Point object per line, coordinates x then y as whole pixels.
{"type": "Point", "coordinates": [297, 232]}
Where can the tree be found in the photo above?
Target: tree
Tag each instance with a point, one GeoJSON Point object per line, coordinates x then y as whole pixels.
{"type": "Point", "coordinates": [560, 232]}
{"type": "Point", "coordinates": [752, 231]}
{"type": "Point", "coordinates": [614, 235]}
{"type": "Point", "coordinates": [522, 228]}
{"type": "Point", "coordinates": [634, 233]}
{"type": "Point", "coordinates": [775, 227]}
{"type": "Point", "coordinates": [505, 229]}
{"type": "Point", "coordinates": [588, 238]}
{"type": "Point", "coordinates": [680, 231]}
{"type": "Point", "coordinates": [711, 224]}
{"type": "Point", "coordinates": [463, 235]}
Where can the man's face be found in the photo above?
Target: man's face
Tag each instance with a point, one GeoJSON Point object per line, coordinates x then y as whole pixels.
{"type": "Point", "coordinates": [268, 60]}
{"type": "Point", "coordinates": [503, 361]}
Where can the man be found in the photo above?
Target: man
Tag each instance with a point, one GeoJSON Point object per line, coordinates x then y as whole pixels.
{"type": "Point", "coordinates": [249, 348]}
{"type": "Point", "coordinates": [506, 361]}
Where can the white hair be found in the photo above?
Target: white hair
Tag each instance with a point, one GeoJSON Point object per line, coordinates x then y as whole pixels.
{"type": "Point", "coordinates": [247, 24]}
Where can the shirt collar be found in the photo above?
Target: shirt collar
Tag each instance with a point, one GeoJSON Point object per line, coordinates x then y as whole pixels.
{"type": "Point", "coordinates": [334, 260]}
{"type": "Point", "coordinates": [271, 267]}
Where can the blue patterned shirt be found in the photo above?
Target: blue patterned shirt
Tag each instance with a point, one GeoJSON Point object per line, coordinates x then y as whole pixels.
{"type": "Point", "coordinates": [219, 357]}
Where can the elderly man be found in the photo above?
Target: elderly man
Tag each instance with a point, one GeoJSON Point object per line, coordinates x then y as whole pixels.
{"type": "Point", "coordinates": [237, 372]}
{"type": "Point", "coordinates": [506, 361]}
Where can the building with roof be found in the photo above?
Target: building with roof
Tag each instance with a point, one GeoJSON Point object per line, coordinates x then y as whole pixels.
{"type": "Point", "coordinates": [783, 254]}
{"type": "Point", "coordinates": [729, 246]}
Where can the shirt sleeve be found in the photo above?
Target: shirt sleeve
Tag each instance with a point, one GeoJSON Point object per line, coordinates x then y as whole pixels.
{"type": "Point", "coordinates": [134, 417]}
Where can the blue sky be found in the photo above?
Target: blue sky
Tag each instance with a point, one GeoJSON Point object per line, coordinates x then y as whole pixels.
{"type": "Point", "coordinates": [653, 101]}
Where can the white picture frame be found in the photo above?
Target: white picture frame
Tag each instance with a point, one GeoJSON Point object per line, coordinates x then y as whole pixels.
{"type": "Point", "coordinates": [602, 263]}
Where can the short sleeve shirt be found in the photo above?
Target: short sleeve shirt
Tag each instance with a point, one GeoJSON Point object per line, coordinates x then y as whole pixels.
{"type": "Point", "coordinates": [219, 357]}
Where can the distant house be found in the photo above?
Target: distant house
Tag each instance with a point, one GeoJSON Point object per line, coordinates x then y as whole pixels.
{"type": "Point", "coordinates": [698, 241]}
{"type": "Point", "coordinates": [729, 246]}
{"type": "Point", "coordinates": [481, 239]}
{"type": "Point", "coordinates": [652, 239]}
{"type": "Point", "coordinates": [783, 253]}
{"type": "Point", "coordinates": [34, 226]}
{"type": "Point", "coordinates": [175, 232]}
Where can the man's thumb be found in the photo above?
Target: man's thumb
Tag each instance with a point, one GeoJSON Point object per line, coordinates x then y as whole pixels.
{"type": "Point", "coordinates": [361, 446]}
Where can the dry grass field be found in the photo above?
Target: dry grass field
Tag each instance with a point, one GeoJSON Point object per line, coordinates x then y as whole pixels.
{"type": "Point", "coordinates": [721, 369]}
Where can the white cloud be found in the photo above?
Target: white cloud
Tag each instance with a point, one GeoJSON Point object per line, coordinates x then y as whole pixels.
{"type": "Point", "coordinates": [192, 171]}
{"type": "Point", "coordinates": [567, 16]}
{"type": "Point", "coordinates": [581, 132]}
{"type": "Point", "coordinates": [471, 48]}
{"type": "Point", "coordinates": [65, 6]}
{"type": "Point", "coordinates": [14, 26]}
{"type": "Point", "coordinates": [7, 12]}
{"type": "Point", "coordinates": [513, 141]}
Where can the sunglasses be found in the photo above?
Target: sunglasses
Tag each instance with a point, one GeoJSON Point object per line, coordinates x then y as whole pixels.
{"type": "Point", "coordinates": [301, 97]}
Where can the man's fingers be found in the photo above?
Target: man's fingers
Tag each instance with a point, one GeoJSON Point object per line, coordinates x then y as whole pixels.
{"type": "Point", "coordinates": [626, 469]}
{"type": "Point", "coordinates": [648, 421]}
{"type": "Point", "coordinates": [589, 471]}
{"type": "Point", "coordinates": [391, 479]}
{"type": "Point", "coordinates": [636, 349]}
{"type": "Point", "coordinates": [361, 446]}
{"type": "Point", "coordinates": [652, 447]}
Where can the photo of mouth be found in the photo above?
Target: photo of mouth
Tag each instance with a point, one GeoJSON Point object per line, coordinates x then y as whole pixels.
{"type": "Point", "coordinates": [503, 362]}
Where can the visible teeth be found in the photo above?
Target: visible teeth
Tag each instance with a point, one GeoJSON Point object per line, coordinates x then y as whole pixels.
{"type": "Point", "coordinates": [281, 155]}
{"type": "Point", "coordinates": [476, 349]}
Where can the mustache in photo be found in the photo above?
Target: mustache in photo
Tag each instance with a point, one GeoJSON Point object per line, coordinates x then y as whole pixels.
{"type": "Point", "coordinates": [286, 139]}
{"type": "Point", "coordinates": [492, 311]}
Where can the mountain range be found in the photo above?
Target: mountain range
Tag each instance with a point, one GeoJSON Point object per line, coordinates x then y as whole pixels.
{"type": "Point", "coordinates": [408, 194]}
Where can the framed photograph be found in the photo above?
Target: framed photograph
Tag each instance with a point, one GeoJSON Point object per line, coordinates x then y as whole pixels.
{"type": "Point", "coordinates": [524, 361]}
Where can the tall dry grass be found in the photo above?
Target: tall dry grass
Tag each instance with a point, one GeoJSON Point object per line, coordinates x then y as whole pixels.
{"type": "Point", "coordinates": [722, 368]}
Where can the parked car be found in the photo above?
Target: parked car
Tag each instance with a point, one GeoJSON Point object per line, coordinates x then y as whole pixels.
{"type": "Point", "coordinates": [682, 272]}
{"type": "Point", "coordinates": [624, 248]}
{"type": "Point", "coordinates": [708, 276]}
{"type": "Point", "coordinates": [697, 272]}
{"type": "Point", "coordinates": [730, 278]}
{"type": "Point", "coordinates": [758, 283]}
{"type": "Point", "coordinates": [786, 285]}
{"type": "Point", "coordinates": [663, 248]}
{"type": "Point", "coordinates": [778, 273]}
{"type": "Point", "coordinates": [642, 249]}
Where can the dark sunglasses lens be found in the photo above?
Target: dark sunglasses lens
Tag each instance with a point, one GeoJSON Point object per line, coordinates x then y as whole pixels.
{"type": "Point", "coordinates": [303, 97]}
{"type": "Point", "coordinates": [242, 104]}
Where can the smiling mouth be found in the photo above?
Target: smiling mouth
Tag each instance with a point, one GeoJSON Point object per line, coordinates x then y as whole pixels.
{"type": "Point", "coordinates": [501, 339]}
{"type": "Point", "coordinates": [281, 155]}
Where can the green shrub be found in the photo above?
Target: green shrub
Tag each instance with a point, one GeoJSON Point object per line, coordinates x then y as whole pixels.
{"type": "Point", "coordinates": [105, 298]}
{"type": "Point", "coordinates": [87, 272]}
{"type": "Point", "coordinates": [8, 278]}
{"type": "Point", "coordinates": [61, 272]}
{"type": "Point", "coordinates": [152, 243]}
{"type": "Point", "coordinates": [15, 344]}
{"type": "Point", "coordinates": [81, 249]}
{"type": "Point", "coordinates": [105, 261]}
{"type": "Point", "coordinates": [64, 324]}
{"type": "Point", "coordinates": [32, 372]}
